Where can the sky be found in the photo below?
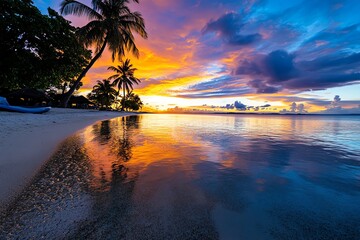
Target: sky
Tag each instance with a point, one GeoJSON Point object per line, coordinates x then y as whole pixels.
{"type": "Point", "coordinates": [244, 55]}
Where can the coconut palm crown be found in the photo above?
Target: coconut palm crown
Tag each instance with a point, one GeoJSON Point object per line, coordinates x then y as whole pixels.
{"type": "Point", "coordinates": [111, 24]}
{"type": "Point", "coordinates": [124, 78]}
{"type": "Point", "coordinates": [104, 93]}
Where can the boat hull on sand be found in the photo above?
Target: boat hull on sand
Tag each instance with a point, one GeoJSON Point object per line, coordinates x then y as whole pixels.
{"type": "Point", "coordinates": [24, 109]}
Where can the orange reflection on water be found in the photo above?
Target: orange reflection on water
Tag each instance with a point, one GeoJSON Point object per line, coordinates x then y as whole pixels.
{"type": "Point", "coordinates": [128, 147]}
{"type": "Point", "coordinates": [124, 146]}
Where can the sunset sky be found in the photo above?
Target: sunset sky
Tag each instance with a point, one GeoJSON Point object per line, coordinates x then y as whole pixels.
{"type": "Point", "coordinates": [265, 54]}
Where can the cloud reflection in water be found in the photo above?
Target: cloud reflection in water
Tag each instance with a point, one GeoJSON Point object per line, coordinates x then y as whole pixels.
{"type": "Point", "coordinates": [214, 176]}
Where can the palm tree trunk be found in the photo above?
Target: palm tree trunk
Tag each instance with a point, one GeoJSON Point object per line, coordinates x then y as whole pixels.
{"type": "Point", "coordinates": [67, 95]}
{"type": "Point", "coordinates": [123, 105]}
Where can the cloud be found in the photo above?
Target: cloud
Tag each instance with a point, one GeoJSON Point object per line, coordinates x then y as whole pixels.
{"type": "Point", "coordinates": [315, 103]}
{"type": "Point", "coordinates": [277, 66]}
{"type": "Point", "coordinates": [333, 62]}
{"type": "Point", "coordinates": [214, 87]}
{"type": "Point", "coordinates": [355, 110]}
{"type": "Point", "coordinates": [337, 99]}
{"type": "Point", "coordinates": [330, 40]}
{"type": "Point", "coordinates": [335, 104]}
{"type": "Point", "coordinates": [240, 106]}
{"type": "Point", "coordinates": [228, 28]}
{"type": "Point", "coordinates": [213, 93]}
{"type": "Point", "coordinates": [280, 66]}
{"type": "Point", "coordinates": [322, 80]}
{"type": "Point", "coordinates": [262, 86]}
{"type": "Point", "coordinates": [266, 106]}
{"type": "Point", "coordinates": [335, 107]}
{"type": "Point", "coordinates": [295, 109]}
{"type": "Point", "coordinates": [301, 108]}
{"type": "Point", "coordinates": [278, 70]}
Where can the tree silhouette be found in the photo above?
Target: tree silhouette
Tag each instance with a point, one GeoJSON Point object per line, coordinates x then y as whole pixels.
{"type": "Point", "coordinates": [103, 93]}
{"type": "Point", "coordinates": [124, 78]}
{"type": "Point", "coordinates": [112, 24]}
{"type": "Point", "coordinates": [133, 102]}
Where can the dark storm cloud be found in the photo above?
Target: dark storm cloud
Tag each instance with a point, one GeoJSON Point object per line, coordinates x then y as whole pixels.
{"type": "Point", "coordinates": [277, 66]}
{"type": "Point", "coordinates": [262, 87]}
{"type": "Point", "coordinates": [229, 27]}
{"type": "Point", "coordinates": [280, 66]}
{"type": "Point", "coordinates": [244, 39]}
{"type": "Point", "coordinates": [334, 61]}
{"type": "Point", "coordinates": [322, 81]}
{"type": "Point", "coordinates": [280, 70]}
{"type": "Point", "coordinates": [249, 68]}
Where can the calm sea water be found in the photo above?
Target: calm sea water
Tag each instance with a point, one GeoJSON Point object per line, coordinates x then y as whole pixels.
{"type": "Point", "coordinates": [198, 177]}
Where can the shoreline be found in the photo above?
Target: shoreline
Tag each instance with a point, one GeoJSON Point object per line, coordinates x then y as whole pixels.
{"type": "Point", "coordinates": [27, 141]}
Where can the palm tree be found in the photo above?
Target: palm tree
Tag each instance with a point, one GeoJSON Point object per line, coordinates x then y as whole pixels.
{"type": "Point", "coordinates": [112, 24]}
{"type": "Point", "coordinates": [133, 101]}
{"type": "Point", "coordinates": [104, 93]}
{"type": "Point", "coordinates": [124, 78]}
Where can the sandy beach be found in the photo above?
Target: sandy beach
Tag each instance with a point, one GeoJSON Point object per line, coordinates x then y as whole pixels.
{"type": "Point", "coordinates": [28, 140]}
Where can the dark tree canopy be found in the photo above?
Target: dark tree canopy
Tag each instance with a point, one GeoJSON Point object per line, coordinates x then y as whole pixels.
{"type": "Point", "coordinates": [103, 94]}
{"type": "Point", "coordinates": [133, 102]}
{"type": "Point", "coordinates": [36, 50]}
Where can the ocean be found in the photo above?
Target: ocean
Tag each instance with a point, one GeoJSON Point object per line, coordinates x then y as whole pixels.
{"type": "Point", "coordinates": [168, 176]}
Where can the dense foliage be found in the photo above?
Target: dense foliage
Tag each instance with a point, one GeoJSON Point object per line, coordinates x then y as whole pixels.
{"type": "Point", "coordinates": [36, 50]}
{"type": "Point", "coordinates": [103, 94]}
{"type": "Point", "coordinates": [133, 102]}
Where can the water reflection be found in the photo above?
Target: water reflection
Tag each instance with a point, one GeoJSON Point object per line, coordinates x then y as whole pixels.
{"type": "Point", "coordinates": [204, 177]}
{"type": "Point", "coordinates": [109, 146]}
{"type": "Point", "coordinates": [125, 145]}
{"type": "Point", "coordinates": [102, 132]}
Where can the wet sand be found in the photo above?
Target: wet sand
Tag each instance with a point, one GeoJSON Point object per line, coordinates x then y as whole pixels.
{"type": "Point", "coordinates": [28, 140]}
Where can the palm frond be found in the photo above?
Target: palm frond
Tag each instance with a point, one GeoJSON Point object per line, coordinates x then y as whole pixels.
{"type": "Point", "coordinates": [78, 9]}
{"type": "Point", "coordinates": [115, 69]}
{"type": "Point", "coordinates": [92, 34]}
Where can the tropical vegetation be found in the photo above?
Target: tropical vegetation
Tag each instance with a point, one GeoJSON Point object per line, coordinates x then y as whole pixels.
{"type": "Point", "coordinates": [37, 51]}
{"type": "Point", "coordinates": [112, 25]}
{"type": "Point", "coordinates": [124, 78]}
{"type": "Point", "coordinates": [104, 94]}
{"type": "Point", "coordinates": [44, 52]}
{"type": "Point", "coordinates": [132, 102]}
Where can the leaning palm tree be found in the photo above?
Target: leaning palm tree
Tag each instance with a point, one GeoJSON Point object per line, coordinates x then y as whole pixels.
{"type": "Point", "coordinates": [104, 93]}
{"type": "Point", "coordinates": [111, 24]}
{"type": "Point", "coordinates": [124, 78]}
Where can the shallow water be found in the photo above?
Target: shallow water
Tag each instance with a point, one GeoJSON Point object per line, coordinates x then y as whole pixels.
{"type": "Point", "coordinates": [198, 177]}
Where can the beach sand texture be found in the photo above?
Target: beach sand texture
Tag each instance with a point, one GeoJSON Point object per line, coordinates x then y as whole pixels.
{"type": "Point", "coordinates": [28, 140]}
